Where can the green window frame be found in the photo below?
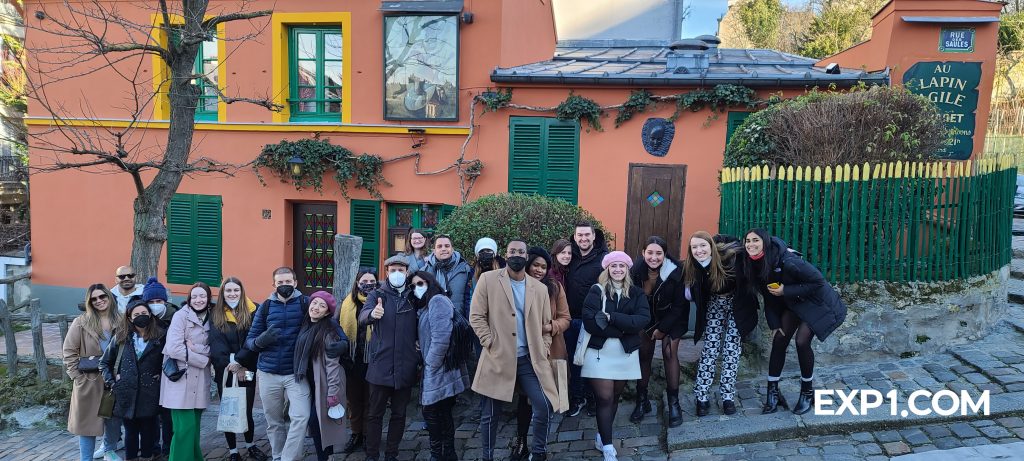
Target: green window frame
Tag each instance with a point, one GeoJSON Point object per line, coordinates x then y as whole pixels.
{"type": "Point", "coordinates": [735, 119]}
{"type": "Point", "coordinates": [194, 239]}
{"type": "Point", "coordinates": [317, 97]}
{"type": "Point", "coordinates": [206, 63]}
{"type": "Point", "coordinates": [364, 221]}
{"type": "Point", "coordinates": [544, 156]}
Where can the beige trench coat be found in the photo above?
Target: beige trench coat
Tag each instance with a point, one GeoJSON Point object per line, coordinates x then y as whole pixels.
{"type": "Point", "coordinates": [87, 389]}
{"type": "Point", "coordinates": [492, 314]}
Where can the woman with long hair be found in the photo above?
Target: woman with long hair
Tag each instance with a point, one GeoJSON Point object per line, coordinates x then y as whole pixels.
{"type": "Point", "coordinates": [441, 381]}
{"type": "Point", "coordinates": [538, 261]}
{"type": "Point", "coordinates": [417, 249]}
{"type": "Point", "coordinates": [561, 256]}
{"type": "Point", "coordinates": [135, 378]}
{"type": "Point", "coordinates": [660, 276]}
{"type": "Point", "coordinates": [798, 301]}
{"type": "Point", "coordinates": [188, 344]}
{"type": "Point", "coordinates": [230, 321]}
{"type": "Point", "coordinates": [87, 338]}
{"type": "Point", "coordinates": [357, 390]}
{"type": "Point", "coordinates": [615, 313]}
{"type": "Point", "coordinates": [315, 362]}
{"type": "Point", "coordinates": [711, 278]}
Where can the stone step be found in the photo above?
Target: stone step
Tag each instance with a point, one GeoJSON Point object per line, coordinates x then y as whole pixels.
{"type": "Point", "coordinates": [1015, 290]}
{"type": "Point", "coordinates": [1017, 268]}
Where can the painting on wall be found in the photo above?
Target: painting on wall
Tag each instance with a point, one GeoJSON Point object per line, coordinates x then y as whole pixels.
{"type": "Point", "coordinates": [421, 67]}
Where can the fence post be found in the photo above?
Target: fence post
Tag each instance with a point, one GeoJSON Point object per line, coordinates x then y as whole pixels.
{"type": "Point", "coordinates": [62, 325]}
{"type": "Point", "coordinates": [9, 339]}
{"type": "Point", "coordinates": [37, 340]}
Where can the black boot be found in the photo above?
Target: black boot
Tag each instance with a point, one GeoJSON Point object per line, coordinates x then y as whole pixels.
{"type": "Point", "coordinates": [643, 406]}
{"type": "Point", "coordinates": [355, 442]}
{"type": "Point", "coordinates": [675, 412]}
{"type": "Point", "coordinates": [703, 408]}
{"type": "Point", "coordinates": [728, 407]}
{"type": "Point", "coordinates": [520, 450]}
{"type": "Point", "coordinates": [806, 399]}
{"type": "Point", "coordinates": [774, 399]}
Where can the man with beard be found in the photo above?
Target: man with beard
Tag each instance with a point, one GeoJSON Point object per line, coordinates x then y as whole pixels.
{"type": "Point", "coordinates": [125, 287]}
{"type": "Point", "coordinates": [588, 248]}
{"type": "Point", "coordinates": [451, 271]}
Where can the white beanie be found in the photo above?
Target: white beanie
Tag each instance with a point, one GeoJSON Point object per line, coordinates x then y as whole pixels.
{"type": "Point", "coordinates": [486, 243]}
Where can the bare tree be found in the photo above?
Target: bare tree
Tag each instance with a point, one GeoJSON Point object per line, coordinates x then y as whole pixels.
{"type": "Point", "coordinates": [96, 37]}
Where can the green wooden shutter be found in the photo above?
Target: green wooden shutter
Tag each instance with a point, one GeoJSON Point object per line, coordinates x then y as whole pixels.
{"type": "Point", "coordinates": [561, 175]}
{"type": "Point", "coordinates": [365, 222]}
{"type": "Point", "coordinates": [446, 210]}
{"type": "Point", "coordinates": [194, 239]}
{"type": "Point", "coordinates": [735, 120]}
{"type": "Point", "coordinates": [526, 136]}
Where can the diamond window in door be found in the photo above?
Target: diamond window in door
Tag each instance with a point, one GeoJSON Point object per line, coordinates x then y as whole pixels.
{"type": "Point", "coordinates": [655, 199]}
{"type": "Point", "coordinates": [318, 249]}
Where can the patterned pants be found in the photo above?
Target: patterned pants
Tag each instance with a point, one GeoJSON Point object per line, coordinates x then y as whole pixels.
{"type": "Point", "coordinates": [720, 336]}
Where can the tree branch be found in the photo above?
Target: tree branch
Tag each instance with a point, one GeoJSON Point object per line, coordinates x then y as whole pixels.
{"type": "Point", "coordinates": [211, 23]}
{"type": "Point", "coordinates": [262, 102]}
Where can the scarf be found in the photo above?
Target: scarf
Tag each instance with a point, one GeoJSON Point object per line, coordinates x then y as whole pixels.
{"type": "Point", "coordinates": [301, 360]}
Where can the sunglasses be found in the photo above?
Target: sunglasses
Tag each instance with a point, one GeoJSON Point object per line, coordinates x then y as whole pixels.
{"type": "Point", "coordinates": [421, 283]}
{"type": "Point", "coordinates": [126, 276]}
{"type": "Point", "coordinates": [98, 298]}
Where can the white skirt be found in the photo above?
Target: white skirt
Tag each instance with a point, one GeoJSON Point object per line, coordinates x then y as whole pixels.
{"type": "Point", "coordinates": [611, 362]}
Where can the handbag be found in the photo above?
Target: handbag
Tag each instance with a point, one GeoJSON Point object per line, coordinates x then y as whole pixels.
{"type": "Point", "coordinates": [233, 407]}
{"type": "Point", "coordinates": [583, 342]}
{"type": "Point", "coordinates": [106, 409]}
{"type": "Point", "coordinates": [89, 364]}
{"type": "Point", "coordinates": [172, 370]}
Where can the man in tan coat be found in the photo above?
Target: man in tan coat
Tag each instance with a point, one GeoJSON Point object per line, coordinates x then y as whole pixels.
{"type": "Point", "coordinates": [508, 314]}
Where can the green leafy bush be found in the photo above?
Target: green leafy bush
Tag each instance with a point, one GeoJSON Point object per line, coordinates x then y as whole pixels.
{"type": "Point", "coordinates": [863, 124]}
{"type": "Point", "coordinates": [538, 219]}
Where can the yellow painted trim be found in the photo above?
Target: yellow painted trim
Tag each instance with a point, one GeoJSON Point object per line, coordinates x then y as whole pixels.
{"type": "Point", "coordinates": [222, 71]}
{"type": "Point", "coordinates": [279, 57]}
{"type": "Point", "coordinates": [161, 104]}
{"type": "Point", "coordinates": [265, 127]}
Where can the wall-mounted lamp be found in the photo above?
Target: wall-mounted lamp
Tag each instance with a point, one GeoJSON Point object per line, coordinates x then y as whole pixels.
{"type": "Point", "coordinates": [467, 18]}
{"type": "Point", "coordinates": [296, 164]}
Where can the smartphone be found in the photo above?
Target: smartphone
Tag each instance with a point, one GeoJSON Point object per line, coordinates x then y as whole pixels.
{"type": "Point", "coordinates": [774, 285]}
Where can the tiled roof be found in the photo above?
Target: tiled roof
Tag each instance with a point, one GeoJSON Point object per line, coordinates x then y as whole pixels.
{"type": "Point", "coordinates": [644, 64]}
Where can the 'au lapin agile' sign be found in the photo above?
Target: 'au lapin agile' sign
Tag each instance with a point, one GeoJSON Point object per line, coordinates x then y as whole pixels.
{"type": "Point", "coordinates": [953, 87]}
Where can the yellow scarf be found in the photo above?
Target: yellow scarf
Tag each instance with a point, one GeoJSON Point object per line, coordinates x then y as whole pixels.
{"type": "Point", "coordinates": [348, 319]}
{"type": "Point", "coordinates": [229, 313]}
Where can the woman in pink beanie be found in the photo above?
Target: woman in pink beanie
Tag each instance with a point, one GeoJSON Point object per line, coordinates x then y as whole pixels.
{"type": "Point", "coordinates": [318, 347]}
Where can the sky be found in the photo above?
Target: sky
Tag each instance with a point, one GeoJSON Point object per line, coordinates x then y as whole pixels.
{"type": "Point", "coordinates": [704, 16]}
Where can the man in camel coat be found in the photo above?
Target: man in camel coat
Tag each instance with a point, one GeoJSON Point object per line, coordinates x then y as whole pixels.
{"type": "Point", "coordinates": [511, 314]}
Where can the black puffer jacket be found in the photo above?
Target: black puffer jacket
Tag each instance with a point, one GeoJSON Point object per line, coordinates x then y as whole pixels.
{"type": "Point", "coordinates": [137, 393]}
{"type": "Point", "coordinates": [670, 311]}
{"type": "Point", "coordinates": [231, 341]}
{"type": "Point", "coordinates": [583, 272]}
{"type": "Point", "coordinates": [805, 292]}
{"type": "Point", "coordinates": [629, 316]}
{"type": "Point", "coordinates": [728, 248]}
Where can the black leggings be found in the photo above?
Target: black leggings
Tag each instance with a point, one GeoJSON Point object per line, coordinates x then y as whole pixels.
{"type": "Point", "coordinates": [607, 392]}
{"type": "Point", "coordinates": [250, 397]}
{"type": "Point", "coordinates": [791, 324]}
{"type": "Point", "coordinates": [669, 351]}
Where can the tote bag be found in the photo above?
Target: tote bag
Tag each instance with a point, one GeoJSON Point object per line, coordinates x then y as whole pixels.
{"type": "Point", "coordinates": [233, 407]}
{"type": "Point", "coordinates": [584, 339]}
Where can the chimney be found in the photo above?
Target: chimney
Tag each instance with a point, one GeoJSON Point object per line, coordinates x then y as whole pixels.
{"type": "Point", "coordinates": [711, 40]}
{"type": "Point", "coordinates": [687, 56]}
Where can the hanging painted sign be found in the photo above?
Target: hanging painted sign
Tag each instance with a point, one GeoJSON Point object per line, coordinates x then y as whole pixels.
{"type": "Point", "coordinates": [953, 87]}
{"type": "Point", "coordinates": [956, 40]}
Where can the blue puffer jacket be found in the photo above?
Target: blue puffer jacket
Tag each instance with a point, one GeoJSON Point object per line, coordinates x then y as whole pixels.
{"type": "Point", "coordinates": [287, 318]}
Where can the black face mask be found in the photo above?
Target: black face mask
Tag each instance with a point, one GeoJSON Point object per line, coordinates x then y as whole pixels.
{"type": "Point", "coordinates": [485, 260]}
{"type": "Point", "coordinates": [366, 288]}
{"type": "Point", "coordinates": [516, 263]}
{"type": "Point", "coordinates": [142, 321]}
{"type": "Point", "coordinates": [285, 291]}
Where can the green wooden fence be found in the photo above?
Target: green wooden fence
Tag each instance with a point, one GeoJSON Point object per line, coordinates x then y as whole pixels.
{"type": "Point", "coordinates": [896, 221]}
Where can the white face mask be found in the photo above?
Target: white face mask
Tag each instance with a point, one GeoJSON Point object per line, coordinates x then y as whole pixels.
{"type": "Point", "coordinates": [158, 309]}
{"type": "Point", "coordinates": [419, 291]}
{"type": "Point", "coordinates": [232, 304]}
{"type": "Point", "coordinates": [397, 279]}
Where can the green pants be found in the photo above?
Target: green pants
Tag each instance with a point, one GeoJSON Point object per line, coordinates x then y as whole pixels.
{"type": "Point", "coordinates": [185, 442]}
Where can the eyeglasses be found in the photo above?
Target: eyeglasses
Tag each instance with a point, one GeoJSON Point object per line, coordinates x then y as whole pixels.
{"type": "Point", "coordinates": [126, 276]}
{"type": "Point", "coordinates": [98, 298]}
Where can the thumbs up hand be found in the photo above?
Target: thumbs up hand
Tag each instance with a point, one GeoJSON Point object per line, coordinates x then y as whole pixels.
{"type": "Point", "coordinates": [378, 311]}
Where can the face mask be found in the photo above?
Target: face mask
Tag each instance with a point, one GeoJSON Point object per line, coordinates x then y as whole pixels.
{"type": "Point", "coordinates": [397, 279]}
{"type": "Point", "coordinates": [366, 288]}
{"type": "Point", "coordinates": [419, 292]}
{"type": "Point", "coordinates": [232, 304]}
{"type": "Point", "coordinates": [142, 321]}
{"type": "Point", "coordinates": [158, 308]}
{"type": "Point", "coordinates": [285, 291]}
{"type": "Point", "coordinates": [516, 263]}
{"type": "Point", "coordinates": [485, 260]}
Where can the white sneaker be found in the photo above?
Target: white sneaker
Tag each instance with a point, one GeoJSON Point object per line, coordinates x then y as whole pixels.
{"type": "Point", "coordinates": [111, 456]}
{"type": "Point", "coordinates": [609, 453]}
{"type": "Point", "coordinates": [98, 454]}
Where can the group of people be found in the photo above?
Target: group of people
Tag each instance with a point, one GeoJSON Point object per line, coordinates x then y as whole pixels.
{"type": "Point", "coordinates": [563, 330]}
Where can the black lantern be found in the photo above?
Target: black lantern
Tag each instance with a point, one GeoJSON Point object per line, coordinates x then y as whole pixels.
{"type": "Point", "coordinates": [296, 165]}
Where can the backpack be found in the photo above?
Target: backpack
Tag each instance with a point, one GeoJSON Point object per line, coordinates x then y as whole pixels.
{"type": "Point", "coordinates": [460, 347]}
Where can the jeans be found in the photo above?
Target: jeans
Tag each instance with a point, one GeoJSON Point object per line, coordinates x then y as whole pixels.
{"type": "Point", "coordinates": [441, 429]}
{"type": "Point", "coordinates": [529, 384]}
{"type": "Point", "coordinates": [572, 335]}
{"type": "Point", "coordinates": [286, 407]}
{"type": "Point", "coordinates": [111, 432]}
{"type": "Point", "coordinates": [379, 397]}
{"type": "Point", "coordinates": [86, 446]}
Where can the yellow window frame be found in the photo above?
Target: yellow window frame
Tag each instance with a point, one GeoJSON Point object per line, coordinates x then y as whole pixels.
{"type": "Point", "coordinates": [161, 102]}
{"type": "Point", "coordinates": [280, 22]}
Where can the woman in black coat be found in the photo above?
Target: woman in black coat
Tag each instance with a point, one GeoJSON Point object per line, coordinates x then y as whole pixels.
{"type": "Point", "coordinates": [135, 379]}
{"type": "Point", "coordinates": [660, 276]}
{"type": "Point", "coordinates": [798, 302]}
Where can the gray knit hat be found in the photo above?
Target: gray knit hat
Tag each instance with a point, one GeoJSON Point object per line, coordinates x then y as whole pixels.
{"type": "Point", "coordinates": [396, 259]}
